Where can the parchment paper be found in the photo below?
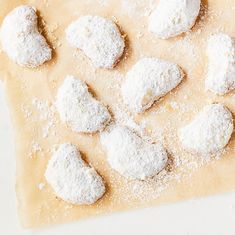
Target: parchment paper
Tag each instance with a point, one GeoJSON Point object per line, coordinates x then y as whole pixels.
{"type": "Point", "coordinates": [186, 177]}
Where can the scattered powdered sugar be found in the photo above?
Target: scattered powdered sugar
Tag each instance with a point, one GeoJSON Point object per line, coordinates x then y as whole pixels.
{"type": "Point", "coordinates": [26, 111]}
{"type": "Point", "coordinates": [173, 17]}
{"type": "Point", "coordinates": [132, 156]}
{"type": "Point", "coordinates": [36, 150]}
{"type": "Point", "coordinates": [50, 32]}
{"type": "Point", "coordinates": [174, 105]}
{"type": "Point", "coordinates": [147, 81]}
{"type": "Point", "coordinates": [72, 179]}
{"type": "Point", "coordinates": [124, 117]}
{"type": "Point", "coordinates": [46, 112]}
{"type": "Point", "coordinates": [209, 132]}
{"type": "Point", "coordinates": [79, 109]}
{"type": "Point", "coordinates": [186, 47]}
{"type": "Point", "coordinates": [41, 186]}
{"type": "Point", "coordinates": [137, 8]}
{"type": "Point", "coordinates": [36, 147]}
{"type": "Point", "coordinates": [221, 72]}
{"type": "Point", "coordinates": [179, 168]}
{"type": "Point", "coordinates": [153, 188]}
{"type": "Point", "coordinates": [181, 165]}
{"type": "Point", "coordinates": [99, 38]}
{"type": "Point", "coordinates": [21, 39]}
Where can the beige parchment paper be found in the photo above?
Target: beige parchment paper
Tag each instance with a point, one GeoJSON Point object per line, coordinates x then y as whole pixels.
{"type": "Point", "coordinates": [31, 93]}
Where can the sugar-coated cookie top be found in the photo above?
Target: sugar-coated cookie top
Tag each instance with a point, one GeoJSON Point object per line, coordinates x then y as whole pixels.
{"type": "Point", "coordinates": [72, 179]}
{"type": "Point", "coordinates": [21, 39]}
{"type": "Point", "coordinates": [99, 38]}
{"type": "Point", "coordinates": [173, 17]}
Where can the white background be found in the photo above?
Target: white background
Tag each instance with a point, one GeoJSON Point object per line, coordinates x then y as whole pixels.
{"type": "Point", "coordinates": [210, 216]}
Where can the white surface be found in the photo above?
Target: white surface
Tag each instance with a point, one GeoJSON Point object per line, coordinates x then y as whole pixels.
{"type": "Point", "coordinates": [213, 215]}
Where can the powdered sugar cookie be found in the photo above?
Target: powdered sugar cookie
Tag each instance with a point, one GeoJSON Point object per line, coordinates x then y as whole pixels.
{"type": "Point", "coordinates": [173, 17]}
{"type": "Point", "coordinates": [99, 38]}
{"type": "Point", "coordinates": [21, 39]}
{"type": "Point", "coordinates": [209, 132]}
{"type": "Point", "coordinates": [132, 156]}
{"type": "Point", "coordinates": [221, 71]}
{"type": "Point", "coordinates": [72, 179]}
{"type": "Point", "coordinates": [78, 108]}
{"type": "Point", "coordinates": [147, 81]}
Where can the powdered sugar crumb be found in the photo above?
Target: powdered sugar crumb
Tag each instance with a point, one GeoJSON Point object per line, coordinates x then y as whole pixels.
{"type": "Point", "coordinates": [137, 8]}
{"type": "Point", "coordinates": [46, 112]}
{"type": "Point", "coordinates": [41, 186]}
{"type": "Point", "coordinates": [36, 149]}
